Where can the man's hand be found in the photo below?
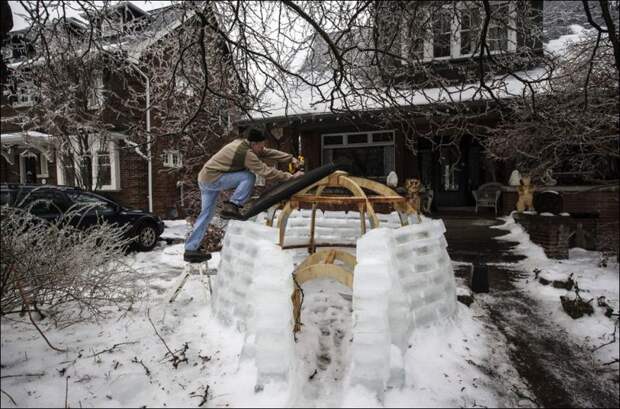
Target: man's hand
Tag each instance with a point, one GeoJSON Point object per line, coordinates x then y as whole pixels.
{"type": "Point", "coordinates": [295, 162]}
{"type": "Point", "coordinates": [298, 174]}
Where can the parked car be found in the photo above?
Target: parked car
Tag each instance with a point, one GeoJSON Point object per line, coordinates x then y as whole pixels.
{"type": "Point", "coordinates": [51, 202]}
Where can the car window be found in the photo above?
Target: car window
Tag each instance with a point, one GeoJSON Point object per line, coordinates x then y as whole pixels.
{"type": "Point", "coordinates": [5, 197]}
{"type": "Point", "coordinates": [44, 203]}
{"type": "Point", "coordinates": [93, 203]}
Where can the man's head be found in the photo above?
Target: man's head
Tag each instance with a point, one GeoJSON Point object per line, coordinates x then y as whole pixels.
{"type": "Point", "coordinates": [256, 139]}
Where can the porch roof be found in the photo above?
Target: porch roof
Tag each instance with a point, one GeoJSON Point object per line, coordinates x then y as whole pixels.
{"type": "Point", "coordinates": [17, 138]}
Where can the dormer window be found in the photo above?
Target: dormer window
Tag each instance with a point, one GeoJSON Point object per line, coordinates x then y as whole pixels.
{"type": "Point", "coordinates": [450, 31]}
{"type": "Point", "coordinates": [442, 32]}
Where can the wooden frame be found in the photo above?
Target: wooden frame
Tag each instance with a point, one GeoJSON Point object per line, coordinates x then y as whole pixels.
{"type": "Point", "coordinates": [353, 184]}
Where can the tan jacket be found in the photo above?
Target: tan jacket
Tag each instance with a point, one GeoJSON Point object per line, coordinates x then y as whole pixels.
{"type": "Point", "coordinates": [238, 155]}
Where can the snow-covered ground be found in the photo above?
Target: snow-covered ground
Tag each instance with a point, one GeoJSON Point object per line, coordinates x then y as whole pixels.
{"type": "Point", "coordinates": [595, 276]}
{"type": "Point", "coordinates": [122, 362]}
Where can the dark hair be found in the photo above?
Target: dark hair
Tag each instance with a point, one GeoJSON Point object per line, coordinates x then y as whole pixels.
{"type": "Point", "coordinates": [254, 135]}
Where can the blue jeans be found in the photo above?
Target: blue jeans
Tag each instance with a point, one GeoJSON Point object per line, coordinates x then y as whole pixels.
{"type": "Point", "coordinates": [242, 182]}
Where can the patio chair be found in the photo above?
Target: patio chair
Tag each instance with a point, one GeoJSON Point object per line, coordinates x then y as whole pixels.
{"type": "Point", "coordinates": [488, 195]}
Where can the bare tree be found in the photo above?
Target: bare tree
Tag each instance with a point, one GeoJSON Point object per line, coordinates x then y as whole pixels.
{"type": "Point", "coordinates": [380, 62]}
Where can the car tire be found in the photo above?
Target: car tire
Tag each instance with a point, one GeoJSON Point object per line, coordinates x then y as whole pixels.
{"type": "Point", "coordinates": [146, 237]}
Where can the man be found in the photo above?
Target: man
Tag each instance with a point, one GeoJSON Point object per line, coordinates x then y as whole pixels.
{"type": "Point", "coordinates": [233, 167]}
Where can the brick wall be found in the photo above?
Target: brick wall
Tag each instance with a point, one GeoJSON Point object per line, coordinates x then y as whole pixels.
{"type": "Point", "coordinates": [552, 233]}
{"type": "Point", "coordinates": [603, 203]}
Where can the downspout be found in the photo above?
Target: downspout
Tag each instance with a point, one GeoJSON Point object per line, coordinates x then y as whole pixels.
{"type": "Point", "coordinates": [148, 134]}
{"type": "Point", "coordinates": [148, 143]}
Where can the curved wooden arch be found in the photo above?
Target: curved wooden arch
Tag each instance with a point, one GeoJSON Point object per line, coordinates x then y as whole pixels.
{"type": "Point", "coordinates": [356, 186]}
{"type": "Point", "coordinates": [321, 265]}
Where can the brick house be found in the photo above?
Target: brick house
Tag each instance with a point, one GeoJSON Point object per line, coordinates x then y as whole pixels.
{"type": "Point", "coordinates": [373, 143]}
{"type": "Point", "coordinates": [119, 168]}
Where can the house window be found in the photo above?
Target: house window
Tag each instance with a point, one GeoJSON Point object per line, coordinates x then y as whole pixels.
{"type": "Point", "coordinates": [497, 33]}
{"type": "Point", "coordinates": [103, 168]}
{"type": "Point", "coordinates": [455, 31]}
{"type": "Point", "coordinates": [442, 32]}
{"type": "Point", "coordinates": [367, 154]}
{"type": "Point", "coordinates": [172, 159]}
{"type": "Point", "coordinates": [99, 167]}
{"type": "Point", "coordinates": [415, 34]}
{"type": "Point", "coordinates": [469, 29]}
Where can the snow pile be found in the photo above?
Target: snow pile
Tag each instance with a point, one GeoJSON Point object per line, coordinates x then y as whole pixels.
{"type": "Point", "coordinates": [403, 280]}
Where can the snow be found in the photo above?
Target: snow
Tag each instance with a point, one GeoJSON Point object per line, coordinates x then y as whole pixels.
{"type": "Point", "coordinates": [20, 137]}
{"type": "Point", "coordinates": [559, 45]}
{"type": "Point", "coordinates": [594, 280]}
{"type": "Point", "coordinates": [302, 99]}
{"type": "Point", "coordinates": [461, 361]}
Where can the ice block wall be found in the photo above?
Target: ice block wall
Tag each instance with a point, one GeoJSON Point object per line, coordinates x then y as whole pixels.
{"type": "Point", "coordinates": [403, 280]}
{"type": "Point", "coordinates": [253, 290]}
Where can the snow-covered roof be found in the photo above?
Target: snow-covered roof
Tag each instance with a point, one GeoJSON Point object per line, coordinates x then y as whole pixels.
{"type": "Point", "coordinates": [20, 137]}
{"type": "Point", "coordinates": [299, 99]}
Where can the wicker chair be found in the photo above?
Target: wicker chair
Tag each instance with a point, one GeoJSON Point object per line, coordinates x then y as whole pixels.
{"type": "Point", "coordinates": [488, 195]}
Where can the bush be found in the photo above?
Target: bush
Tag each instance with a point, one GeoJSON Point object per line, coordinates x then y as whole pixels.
{"type": "Point", "coordinates": [68, 275]}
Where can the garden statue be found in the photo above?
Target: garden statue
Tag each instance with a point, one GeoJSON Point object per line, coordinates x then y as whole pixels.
{"type": "Point", "coordinates": [515, 178]}
{"type": "Point", "coordinates": [526, 194]}
{"type": "Point", "coordinates": [413, 187]}
{"type": "Point", "coordinates": [392, 179]}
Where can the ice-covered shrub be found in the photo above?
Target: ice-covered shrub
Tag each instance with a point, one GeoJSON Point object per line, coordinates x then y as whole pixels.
{"type": "Point", "coordinates": [64, 273]}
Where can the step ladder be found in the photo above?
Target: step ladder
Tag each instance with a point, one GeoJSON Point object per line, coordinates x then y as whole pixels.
{"type": "Point", "coordinates": [191, 269]}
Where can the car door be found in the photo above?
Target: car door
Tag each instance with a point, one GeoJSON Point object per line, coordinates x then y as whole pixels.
{"type": "Point", "coordinates": [89, 209]}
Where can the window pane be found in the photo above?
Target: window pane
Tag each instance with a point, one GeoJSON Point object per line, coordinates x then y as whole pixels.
{"type": "Point", "coordinates": [357, 138]}
{"type": "Point", "coordinates": [442, 33]}
{"type": "Point", "coordinates": [373, 162]}
{"type": "Point", "coordinates": [104, 174]}
{"type": "Point", "coordinates": [332, 140]}
{"type": "Point", "coordinates": [498, 27]}
{"type": "Point", "coordinates": [383, 137]}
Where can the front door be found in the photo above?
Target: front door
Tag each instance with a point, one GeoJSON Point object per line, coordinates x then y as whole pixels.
{"type": "Point", "coordinates": [450, 177]}
{"type": "Point", "coordinates": [30, 169]}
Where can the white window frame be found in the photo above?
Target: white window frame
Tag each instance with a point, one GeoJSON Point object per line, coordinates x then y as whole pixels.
{"type": "Point", "coordinates": [168, 158]}
{"type": "Point", "coordinates": [94, 148]}
{"type": "Point", "coordinates": [455, 39]}
{"type": "Point", "coordinates": [369, 144]}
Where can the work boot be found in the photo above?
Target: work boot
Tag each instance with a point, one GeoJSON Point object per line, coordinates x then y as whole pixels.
{"type": "Point", "coordinates": [231, 211]}
{"type": "Point", "coordinates": [196, 256]}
